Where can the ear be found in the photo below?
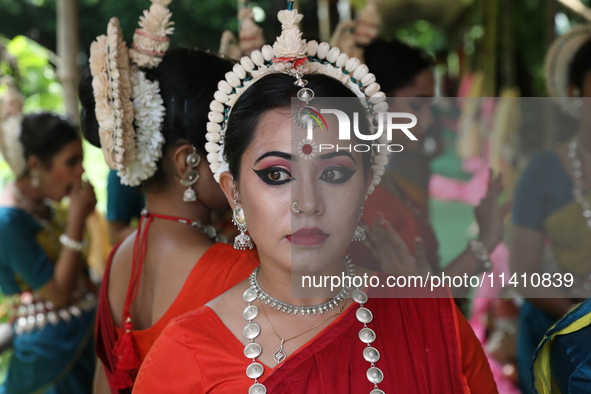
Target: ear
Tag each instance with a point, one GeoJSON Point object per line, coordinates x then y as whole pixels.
{"type": "Point", "coordinates": [179, 159]}
{"type": "Point", "coordinates": [227, 185]}
{"type": "Point", "coordinates": [34, 163]}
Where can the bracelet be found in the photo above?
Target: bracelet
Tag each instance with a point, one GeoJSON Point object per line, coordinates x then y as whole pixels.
{"type": "Point", "coordinates": [69, 243]}
{"type": "Point", "coordinates": [481, 253]}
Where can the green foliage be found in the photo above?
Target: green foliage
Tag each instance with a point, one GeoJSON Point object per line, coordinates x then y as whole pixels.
{"type": "Point", "coordinates": [197, 23]}
{"type": "Point", "coordinates": [37, 81]}
{"type": "Point", "coordinates": [424, 35]}
{"type": "Point", "coordinates": [36, 75]}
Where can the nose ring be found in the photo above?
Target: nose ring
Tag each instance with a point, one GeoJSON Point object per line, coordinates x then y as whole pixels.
{"type": "Point", "coordinates": [294, 209]}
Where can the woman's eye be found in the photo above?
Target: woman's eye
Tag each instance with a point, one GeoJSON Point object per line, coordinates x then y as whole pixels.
{"type": "Point", "coordinates": [274, 176]}
{"type": "Point", "coordinates": [337, 174]}
{"type": "Point", "coordinates": [72, 162]}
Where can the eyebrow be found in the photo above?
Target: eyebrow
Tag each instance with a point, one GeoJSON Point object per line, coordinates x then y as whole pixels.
{"type": "Point", "coordinates": [328, 156]}
{"type": "Point", "coordinates": [282, 155]}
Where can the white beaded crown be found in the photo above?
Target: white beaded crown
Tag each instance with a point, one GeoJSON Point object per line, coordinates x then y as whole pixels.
{"type": "Point", "coordinates": [558, 62]}
{"type": "Point", "coordinates": [292, 55]}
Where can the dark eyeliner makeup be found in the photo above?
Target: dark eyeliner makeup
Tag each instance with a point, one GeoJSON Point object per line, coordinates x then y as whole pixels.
{"type": "Point", "coordinates": [346, 174]}
{"type": "Point", "coordinates": [266, 175]}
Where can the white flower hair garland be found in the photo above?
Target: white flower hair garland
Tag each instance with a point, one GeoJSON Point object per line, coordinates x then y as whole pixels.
{"type": "Point", "coordinates": [558, 62]}
{"type": "Point", "coordinates": [129, 108]}
{"type": "Point", "coordinates": [11, 119]}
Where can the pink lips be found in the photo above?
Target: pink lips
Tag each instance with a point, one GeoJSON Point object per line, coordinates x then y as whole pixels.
{"type": "Point", "coordinates": [308, 237]}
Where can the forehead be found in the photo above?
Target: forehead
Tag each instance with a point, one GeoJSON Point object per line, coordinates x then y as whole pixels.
{"type": "Point", "coordinates": [423, 85]}
{"type": "Point", "coordinates": [276, 130]}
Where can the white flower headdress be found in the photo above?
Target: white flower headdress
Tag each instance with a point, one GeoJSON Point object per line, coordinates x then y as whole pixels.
{"type": "Point", "coordinates": [290, 54]}
{"type": "Point", "coordinates": [11, 119]}
{"type": "Point", "coordinates": [558, 63]}
{"type": "Point", "coordinates": [129, 108]}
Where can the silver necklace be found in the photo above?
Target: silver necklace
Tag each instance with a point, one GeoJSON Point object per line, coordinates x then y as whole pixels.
{"type": "Point", "coordinates": [577, 166]}
{"type": "Point", "coordinates": [252, 330]}
{"type": "Point", "coordinates": [31, 207]}
{"type": "Point", "coordinates": [302, 310]}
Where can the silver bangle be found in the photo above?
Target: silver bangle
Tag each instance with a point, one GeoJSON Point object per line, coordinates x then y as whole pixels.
{"type": "Point", "coordinates": [69, 243]}
{"type": "Point", "coordinates": [481, 254]}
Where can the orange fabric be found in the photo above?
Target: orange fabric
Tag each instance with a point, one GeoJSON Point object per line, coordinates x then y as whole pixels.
{"type": "Point", "coordinates": [478, 378]}
{"type": "Point", "coordinates": [198, 354]}
{"type": "Point", "coordinates": [220, 268]}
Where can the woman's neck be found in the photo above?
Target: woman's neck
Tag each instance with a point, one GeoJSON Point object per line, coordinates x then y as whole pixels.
{"type": "Point", "coordinates": [25, 194]}
{"type": "Point", "coordinates": [30, 193]}
{"type": "Point", "coordinates": [172, 204]}
{"type": "Point", "coordinates": [281, 284]}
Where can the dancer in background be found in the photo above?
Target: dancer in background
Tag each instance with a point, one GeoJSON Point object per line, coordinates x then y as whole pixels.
{"type": "Point", "coordinates": [552, 205]}
{"type": "Point", "coordinates": [43, 272]}
{"type": "Point", "coordinates": [173, 263]}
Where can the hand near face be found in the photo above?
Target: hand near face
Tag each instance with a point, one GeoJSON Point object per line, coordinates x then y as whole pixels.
{"type": "Point", "coordinates": [491, 215]}
{"type": "Point", "coordinates": [393, 254]}
{"type": "Point", "coordinates": [82, 201]}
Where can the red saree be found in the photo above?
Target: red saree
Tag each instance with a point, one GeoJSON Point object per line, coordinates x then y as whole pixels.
{"type": "Point", "coordinates": [219, 269]}
{"type": "Point", "coordinates": [426, 347]}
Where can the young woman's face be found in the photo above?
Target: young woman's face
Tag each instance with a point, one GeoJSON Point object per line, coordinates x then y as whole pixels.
{"type": "Point", "coordinates": [328, 186]}
{"type": "Point", "coordinates": [416, 99]}
{"type": "Point", "coordinates": [65, 171]}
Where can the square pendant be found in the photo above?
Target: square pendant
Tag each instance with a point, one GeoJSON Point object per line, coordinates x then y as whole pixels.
{"type": "Point", "coordinates": [279, 355]}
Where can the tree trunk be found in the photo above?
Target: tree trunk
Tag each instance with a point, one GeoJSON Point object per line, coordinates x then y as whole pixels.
{"type": "Point", "coordinates": [324, 20]}
{"type": "Point", "coordinates": [67, 51]}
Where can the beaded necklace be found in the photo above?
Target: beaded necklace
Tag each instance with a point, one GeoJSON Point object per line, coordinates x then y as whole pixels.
{"type": "Point", "coordinates": [252, 330]}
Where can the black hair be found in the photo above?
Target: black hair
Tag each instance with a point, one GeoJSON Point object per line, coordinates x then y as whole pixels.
{"type": "Point", "coordinates": [395, 64]}
{"type": "Point", "coordinates": [44, 135]}
{"type": "Point", "coordinates": [188, 79]}
{"type": "Point", "coordinates": [274, 91]}
{"type": "Point", "coordinates": [580, 66]}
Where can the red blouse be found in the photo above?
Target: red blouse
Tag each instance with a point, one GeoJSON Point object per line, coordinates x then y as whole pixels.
{"type": "Point", "coordinates": [426, 346]}
{"type": "Point", "coordinates": [220, 268]}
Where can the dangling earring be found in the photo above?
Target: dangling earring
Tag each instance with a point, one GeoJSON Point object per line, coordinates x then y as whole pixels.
{"type": "Point", "coordinates": [34, 179]}
{"type": "Point", "coordinates": [243, 240]}
{"type": "Point", "coordinates": [191, 176]}
{"type": "Point", "coordinates": [359, 231]}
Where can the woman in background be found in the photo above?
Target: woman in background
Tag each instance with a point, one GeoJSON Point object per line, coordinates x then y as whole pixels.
{"type": "Point", "coordinates": [552, 204]}
{"type": "Point", "coordinates": [173, 263]}
{"type": "Point", "coordinates": [42, 264]}
{"type": "Point", "coordinates": [405, 74]}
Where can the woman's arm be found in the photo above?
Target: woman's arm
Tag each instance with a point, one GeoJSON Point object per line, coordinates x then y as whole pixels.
{"type": "Point", "coordinates": [527, 250]}
{"type": "Point", "coordinates": [100, 386]}
{"type": "Point", "coordinates": [60, 287]}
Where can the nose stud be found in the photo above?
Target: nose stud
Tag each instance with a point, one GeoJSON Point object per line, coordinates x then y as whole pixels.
{"type": "Point", "coordinates": [294, 208]}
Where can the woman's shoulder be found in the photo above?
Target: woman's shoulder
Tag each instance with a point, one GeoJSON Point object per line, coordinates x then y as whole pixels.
{"type": "Point", "coordinates": [14, 219]}
{"type": "Point", "coordinates": [198, 326]}
{"type": "Point", "coordinates": [223, 261]}
{"type": "Point", "coordinates": [543, 161]}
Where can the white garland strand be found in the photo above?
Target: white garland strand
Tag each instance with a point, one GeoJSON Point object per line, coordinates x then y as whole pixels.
{"type": "Point", "coordinates": [11, 119]}
{"type": "Point", "coordinates": [14, 154]}
{"type": "Point", "coordinates": [149, 116]}
{"type": "Point", "coordinates": [558, 63]}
